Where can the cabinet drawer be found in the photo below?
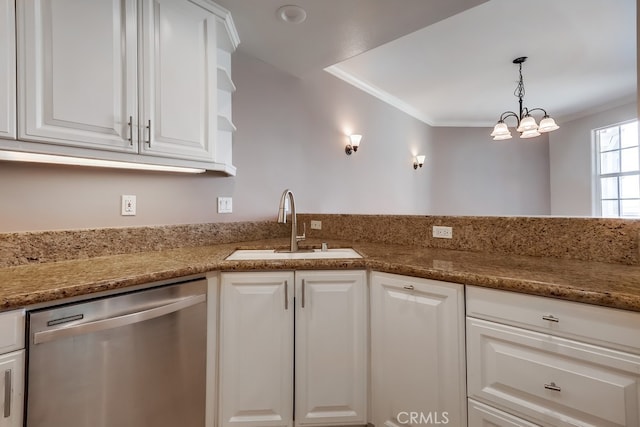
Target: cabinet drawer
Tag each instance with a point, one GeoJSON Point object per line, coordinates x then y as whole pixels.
{"type": "Point", "coordinates": [604, 326]}
{"type": "Point", "coordinates": [11, 331]}
{"type": "Point", "coordinates": [481, 415]}
{"type": "Point", "coordinates": [554, 381]}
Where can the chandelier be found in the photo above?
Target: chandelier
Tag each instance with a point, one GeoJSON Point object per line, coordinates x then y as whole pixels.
{"type": "Point", "coordinates": [527, 125]}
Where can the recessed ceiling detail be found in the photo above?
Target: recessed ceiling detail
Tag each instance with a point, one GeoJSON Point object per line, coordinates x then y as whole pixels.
{"type": "Point", "coordinates": [292, 14]}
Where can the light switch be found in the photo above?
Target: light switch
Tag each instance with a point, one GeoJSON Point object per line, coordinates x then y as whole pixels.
{"type": "Point", "coordinates": [225, 205]}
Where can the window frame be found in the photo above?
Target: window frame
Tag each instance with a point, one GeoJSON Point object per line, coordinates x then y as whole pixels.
{"type": "Point", "coordinates": [597, 152]}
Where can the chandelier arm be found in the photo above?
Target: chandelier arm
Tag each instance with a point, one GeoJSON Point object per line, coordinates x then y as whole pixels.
{"type": "Point", "coordinates": [538, 109]}
{"type": "Point", "coordinates": [506, 114]}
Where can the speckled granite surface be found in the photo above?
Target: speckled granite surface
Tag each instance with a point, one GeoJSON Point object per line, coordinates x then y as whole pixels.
{"type": "Point", "coordinates": [588, 239]}
{"type": "Point", "coordinates": [52, 246]}
{"type": "Point", "coordinates": [611, 285]}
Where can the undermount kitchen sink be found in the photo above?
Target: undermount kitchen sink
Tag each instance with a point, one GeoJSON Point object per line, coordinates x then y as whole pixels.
{"type": "Point", "coordinates": [259, 254]}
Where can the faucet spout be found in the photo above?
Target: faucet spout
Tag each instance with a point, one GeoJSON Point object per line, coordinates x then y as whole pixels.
{"type": "Point", "coordinates": [282, 218]}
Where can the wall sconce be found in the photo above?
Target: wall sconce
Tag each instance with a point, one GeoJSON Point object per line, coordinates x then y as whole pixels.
{"type": "Point", "coordinates": [418, 161]}
{"type": "Point", "coordinates": [353, 146]}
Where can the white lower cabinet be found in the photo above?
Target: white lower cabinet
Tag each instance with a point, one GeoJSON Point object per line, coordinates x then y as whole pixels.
{"type": "Point", "coordinates": [331, 348]}
{"type": "Point", "coordinates": [259, 313]}
{"type": "Point", "coordinates": [12, 361]}
{"type": "Point", "coordinates": [417, 352]}
{"type": "Point", "coordinates": [12, 389]}
{"type": "Point", "coordinates": [542, 376]}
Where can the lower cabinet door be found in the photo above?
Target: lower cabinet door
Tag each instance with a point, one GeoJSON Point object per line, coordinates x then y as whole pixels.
{"type": "Point", "coordinates": [256, 349]}
{"type": "Point", "coordinates": [481, 415]}
{"type": "Point", "coordinates": [331, 348]}
{"type": "Point", "coordinates": [12, 389]}
{"type": "Point", "coordinates": [552, 381]}
{"type": "Point", "coordinates": [417, 352]}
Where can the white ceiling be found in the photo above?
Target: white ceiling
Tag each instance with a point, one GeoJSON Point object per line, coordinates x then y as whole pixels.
{"type": "Point", "coordinates": [448, 62]}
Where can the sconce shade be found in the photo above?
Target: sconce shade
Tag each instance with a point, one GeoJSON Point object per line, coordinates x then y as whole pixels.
{"type": "Point", "coordinates": [502, 137]}
{"type": "Point", "coordinates": [420, 159]}
{"type": "Point", "coordinates": [531, 133]}
{"type": "Point", "coordinates": [527, 123]}
{"type": "Point", "coordinates": [355, 141]}
{"type": "Point", "coordinates": [501, 129]}
{"type": "Point", "coordinates": [547, 124]}
{"type": "Point", "coordinates": [501, 132]}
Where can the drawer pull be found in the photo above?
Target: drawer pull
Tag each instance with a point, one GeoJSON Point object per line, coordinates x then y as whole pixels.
{"type": "Point", "coordinates": [551, 318]}
{"type": "Point", "coordinates": [552, 386]}
{"type": "Point", "coordinates": [409, 287]}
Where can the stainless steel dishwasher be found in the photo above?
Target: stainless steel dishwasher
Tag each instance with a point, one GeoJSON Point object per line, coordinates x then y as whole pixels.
{"type": "Point", "coordinates": [132, 360]}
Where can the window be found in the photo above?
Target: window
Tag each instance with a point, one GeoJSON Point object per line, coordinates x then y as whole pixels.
{"type": "Point", "coordinates": [618, 170]}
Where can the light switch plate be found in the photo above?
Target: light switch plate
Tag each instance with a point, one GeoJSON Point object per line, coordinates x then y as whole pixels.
{"type": "Point", "coordinates": [225, 205]}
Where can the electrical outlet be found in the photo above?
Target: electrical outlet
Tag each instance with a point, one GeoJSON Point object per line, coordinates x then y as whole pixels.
{"type": "Point", "coordinates": [441, 232]}
{"type": "Point", "coordinates": [225, 205]}
{"type": "Point", "coordinates": [316, 225]}
{"type": "Point", "coordinates": [128, 206]}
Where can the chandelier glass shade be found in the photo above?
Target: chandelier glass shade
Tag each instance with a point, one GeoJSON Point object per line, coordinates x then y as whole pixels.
{"type": "Point", "coordinates": [526, 123]}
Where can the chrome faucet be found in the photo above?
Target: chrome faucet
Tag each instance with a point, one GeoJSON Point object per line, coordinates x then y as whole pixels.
{"type": "Point", "coordinates": [282, 218]}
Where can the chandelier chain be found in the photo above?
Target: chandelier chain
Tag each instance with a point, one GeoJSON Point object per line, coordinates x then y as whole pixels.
{"type": "Point", "coordinates": [519, 91]}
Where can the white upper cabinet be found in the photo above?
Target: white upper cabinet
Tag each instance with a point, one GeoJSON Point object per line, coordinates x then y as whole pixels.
{"type": "Point", "coordinates": [179, 75]}
{"type": "Point", "coordinates": [77, 72]}
{"type": "Point", "coordinates": [7, 70]}
{"type": "Point", "coordinates": [125, 76]}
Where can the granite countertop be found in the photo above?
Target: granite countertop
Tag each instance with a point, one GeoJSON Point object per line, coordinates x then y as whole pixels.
{"type": "Point", "coordinates": [611, 285]}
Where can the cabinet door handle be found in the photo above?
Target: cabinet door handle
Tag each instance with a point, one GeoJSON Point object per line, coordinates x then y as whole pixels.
{"type": "Point", "coordinates": [131, 130]}
{"type": "Point", "coordinates": [148, 127]}
{"type": "Point", "coordinates": [550, 318]}
{"type": "Point", "coordinates": [286, 295]}
{"type": "Point", "coordinates": [408, 287]}
{"type": "Point", "coordinates": [304, 292]}
{"type": "Point", "coordinates": [552, 387]}
{"type": "Point", "coordinates": [7, 393]}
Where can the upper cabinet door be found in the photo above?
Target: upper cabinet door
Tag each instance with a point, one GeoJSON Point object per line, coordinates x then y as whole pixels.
{"type": "Point", "coordinates": [7, 69]}
{"type": "Point", "coordinates": [179, 115]}
{"type": "Point", "coordinates": [77, 72]}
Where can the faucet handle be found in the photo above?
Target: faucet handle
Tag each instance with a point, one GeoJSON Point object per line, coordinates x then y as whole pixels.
{"type": "Point", "coordinates": [304, 232]}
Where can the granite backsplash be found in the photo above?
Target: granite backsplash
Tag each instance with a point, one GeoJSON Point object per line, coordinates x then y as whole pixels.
{"type": "Point", "coordinates": [589, 239]}
{"type": "Point", "coordinates": [52, 246]}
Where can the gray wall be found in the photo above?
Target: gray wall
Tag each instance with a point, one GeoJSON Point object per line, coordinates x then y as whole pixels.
{"type": "Point", "coordinates": [571, 160]}
{"type": "Point", "coordinates": [291, 134]}
{"type": "Point", "coordinates": [473, 175]}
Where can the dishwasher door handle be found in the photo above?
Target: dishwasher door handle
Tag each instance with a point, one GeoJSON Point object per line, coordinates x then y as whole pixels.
{"type": "Point", "coordinates": [116, 322]}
